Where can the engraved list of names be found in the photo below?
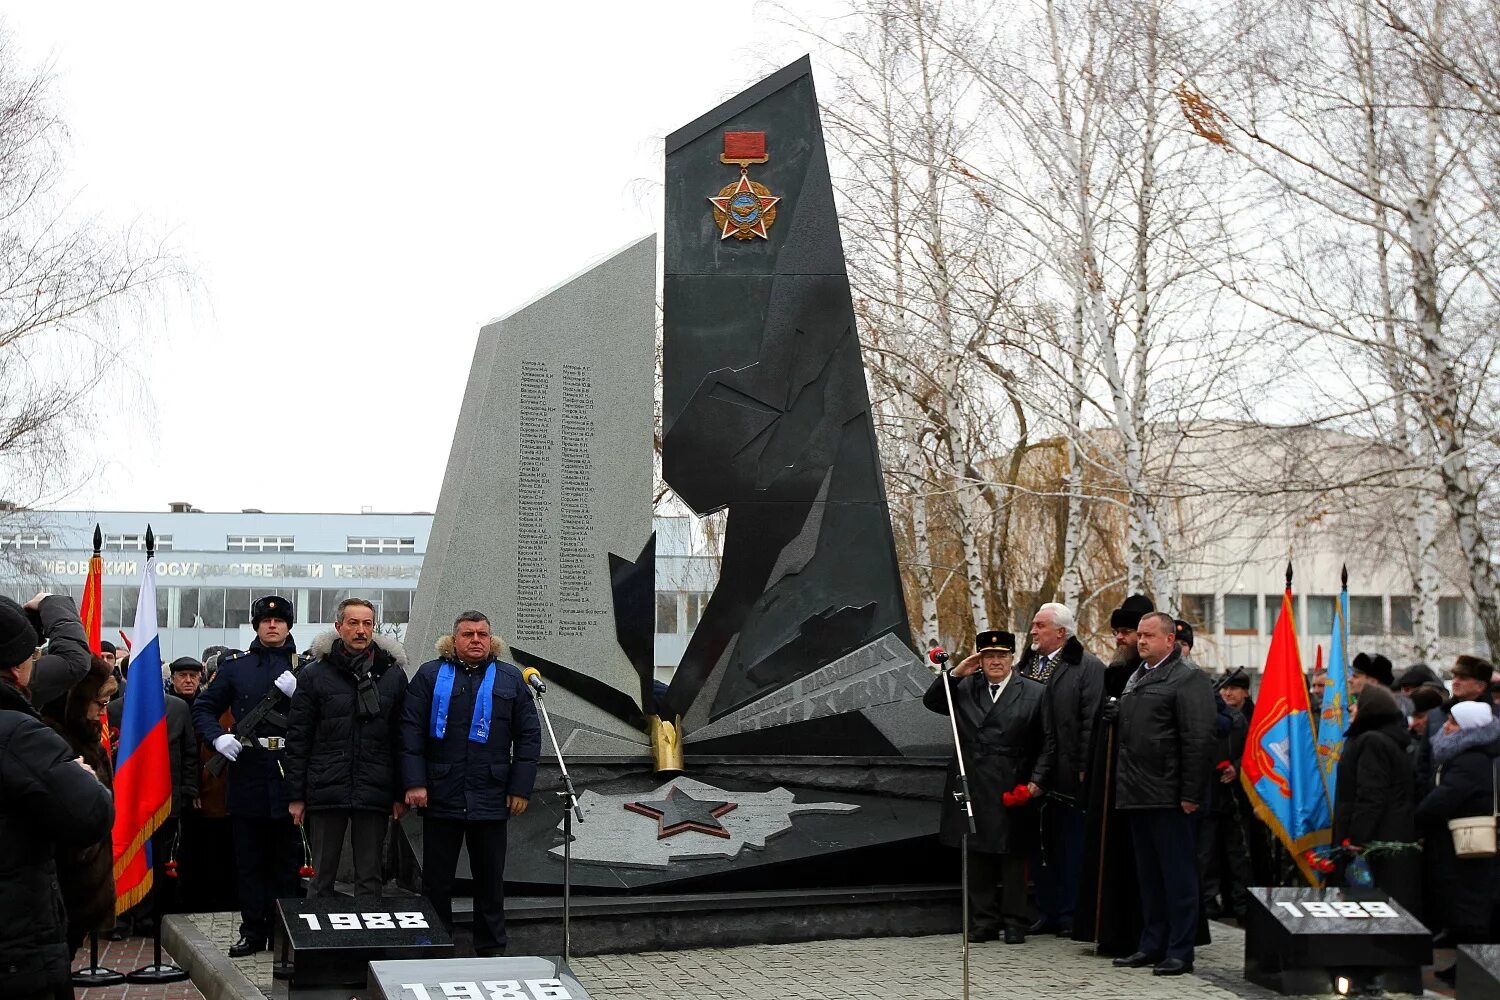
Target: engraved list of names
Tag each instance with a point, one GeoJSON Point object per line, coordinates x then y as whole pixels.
{"type": "Point", "coordinates": [558, 563]}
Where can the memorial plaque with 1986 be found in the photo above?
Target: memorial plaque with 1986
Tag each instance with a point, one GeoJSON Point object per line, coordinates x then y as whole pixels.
{"type": "Point", "coordinates": [520, 978]}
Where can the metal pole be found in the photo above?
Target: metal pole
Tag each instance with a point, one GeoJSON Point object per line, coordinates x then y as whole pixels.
{"type": "Point", "coordinates": [570, 809]}
{"type": "Point", "coordinates": [961, 795]}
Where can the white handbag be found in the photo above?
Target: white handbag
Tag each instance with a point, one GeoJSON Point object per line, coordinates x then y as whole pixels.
{"type": "Point", "coordinates": [1474, 836]}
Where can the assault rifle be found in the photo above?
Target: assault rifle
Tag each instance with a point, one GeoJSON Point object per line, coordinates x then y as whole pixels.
{"type": "Point", "coordinates": [244, 729]}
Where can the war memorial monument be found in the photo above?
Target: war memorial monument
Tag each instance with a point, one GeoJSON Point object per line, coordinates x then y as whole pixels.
{"type": "Point", "coordinates": [785, 784]}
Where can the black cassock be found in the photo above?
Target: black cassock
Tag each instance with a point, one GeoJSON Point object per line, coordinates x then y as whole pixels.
{"type": "Point", "coordinates": [1006, 743]}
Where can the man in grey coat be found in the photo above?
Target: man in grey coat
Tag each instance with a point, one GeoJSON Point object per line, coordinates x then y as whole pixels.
{"type": "Point", "coordinates": [1007, 745]}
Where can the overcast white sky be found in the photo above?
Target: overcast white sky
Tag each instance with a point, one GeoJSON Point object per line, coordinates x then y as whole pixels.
{"type": "Point", "coordinates": [358, 188]}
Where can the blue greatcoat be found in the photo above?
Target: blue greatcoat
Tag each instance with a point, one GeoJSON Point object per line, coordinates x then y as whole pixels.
{"type": "Point", "coordinates": [256, 786]}
{"type": "Point", "coordinates": [468, 780]}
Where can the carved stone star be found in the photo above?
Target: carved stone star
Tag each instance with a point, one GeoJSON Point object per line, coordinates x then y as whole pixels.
{"type": "Point", "coordinates": [680, 812]}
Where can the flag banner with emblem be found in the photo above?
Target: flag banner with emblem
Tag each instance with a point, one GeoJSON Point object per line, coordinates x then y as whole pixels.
{"type": "Point", "coordinates": [1334, 717]}
{"type": "Point", "coordinates": [1280, 771]}
{"type": "Point", "coordinates": [143, 774]}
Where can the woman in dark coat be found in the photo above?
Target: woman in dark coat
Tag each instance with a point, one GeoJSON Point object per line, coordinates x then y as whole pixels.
{"type": "Point", "coordinates": [1373, 799]}
{"type": "Point", "coordinates": [86, 874]}
{"type": "Point", "coordinates": [1464, 753]}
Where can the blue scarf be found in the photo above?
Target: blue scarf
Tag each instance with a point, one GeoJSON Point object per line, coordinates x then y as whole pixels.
{"type": "Point", "coordinates": [442, 696]}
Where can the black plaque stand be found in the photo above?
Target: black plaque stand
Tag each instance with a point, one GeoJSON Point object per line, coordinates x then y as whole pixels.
{"type": "Point", "coordinates": [961, 795]}
{"type": "Point", "coordinates": [570, 806]}
{"type": "Point", "coordinates": [95, 974]}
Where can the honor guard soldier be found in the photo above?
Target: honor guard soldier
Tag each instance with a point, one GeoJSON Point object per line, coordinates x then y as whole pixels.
{"type": "Point", "coordinates": [1006, 734]}
{"type": "Point", "coordinates": [257, 686]}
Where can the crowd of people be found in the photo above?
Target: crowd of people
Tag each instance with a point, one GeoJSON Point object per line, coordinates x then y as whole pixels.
{"type": "Point", "coordinates": [274, 757]}
{"type": "Point", "coordinates": [1091, 781]}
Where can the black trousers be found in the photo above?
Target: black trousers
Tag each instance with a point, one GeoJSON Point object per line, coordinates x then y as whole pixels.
{"type": "Point", "coordinates": [441, 839]}
{"type": "Point", "coordinates": [367, 839]}
{"type": "Point", "coordinates": [1224, 861]}
{"type": "Point", "coordinates": [267, 854]}
{"type": "Point", "coordinates": [997, 892]}
{"type": "Point", "coordinates": [1057, 864]}
{"type": "Point", "coordinates": [1165, 861]}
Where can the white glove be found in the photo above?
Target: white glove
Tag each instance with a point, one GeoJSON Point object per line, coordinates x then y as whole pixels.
{"type": "Point", "coordinates": [287, 683]}
{"type": "Point", "coordinates": [228, 746]}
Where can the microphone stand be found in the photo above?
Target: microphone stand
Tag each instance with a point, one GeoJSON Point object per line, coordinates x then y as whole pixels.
{"type": "Point", "coordinates": [570, 806]}
{"type": "Point", "coordinates": [961, 796]}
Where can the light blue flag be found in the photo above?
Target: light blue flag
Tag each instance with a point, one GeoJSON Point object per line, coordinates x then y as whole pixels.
{"type": "Point", "coordinates": [1334, 718]}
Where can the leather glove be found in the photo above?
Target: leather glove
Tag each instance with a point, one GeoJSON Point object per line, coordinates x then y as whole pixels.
{"type": "Point", "coordinates": [229, 747]}
{"type": "Point", "coordinates": [286, 683]}
{"type": "Point", "coordinates": [1111, 710]}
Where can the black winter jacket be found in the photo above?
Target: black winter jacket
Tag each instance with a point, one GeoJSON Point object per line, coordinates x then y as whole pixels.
{"type": "Point", "coordinates": [46, 802]}
{"type": "Point", "coordinates": [1166, 726]}
{"type": "Point", "coordinates": [1075, 690]}
{"type": "Point", "coordinates": [67, 658]}
{"type": "Point", "coordinates": [1466, 783]}
{"type": "Point", "coordinates": [1373, 794]}
{"type": "Point", "coordinates": [334, 758]}
{"type": "Point", "coordinates": [464, 779]}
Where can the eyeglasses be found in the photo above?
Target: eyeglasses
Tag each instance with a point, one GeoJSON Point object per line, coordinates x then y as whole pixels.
{"type": "Point", "coordinates": [102, 702]}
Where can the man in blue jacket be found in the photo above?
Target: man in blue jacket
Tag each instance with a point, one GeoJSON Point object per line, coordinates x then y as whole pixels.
{"type": "Point", "coordinates": [469, 746]}
{"type": "Point", "coordinates": [267, 850]}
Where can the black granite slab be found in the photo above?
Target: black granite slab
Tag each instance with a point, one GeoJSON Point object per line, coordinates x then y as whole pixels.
{"type": "Point", "coordinates": [1299, 940]}
{"type": "Point", "coordinates": [328, 942]}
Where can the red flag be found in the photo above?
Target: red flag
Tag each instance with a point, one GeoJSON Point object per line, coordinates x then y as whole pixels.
{"type": "Point", "coordinates": [92, 609]}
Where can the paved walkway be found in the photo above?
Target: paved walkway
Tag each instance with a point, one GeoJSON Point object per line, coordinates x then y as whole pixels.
{"type": "Point", "coordinates": [917, 968]}
{"type": "Point", "coordinates": [127, 956]}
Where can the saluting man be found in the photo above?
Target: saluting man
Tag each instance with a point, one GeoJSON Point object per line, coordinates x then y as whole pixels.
{"type": "Point", "coordinates": [267, 849]}
{"type": "Point", "coordinates": [1006, 736]}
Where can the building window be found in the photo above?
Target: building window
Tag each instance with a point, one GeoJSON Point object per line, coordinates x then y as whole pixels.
{"type": "Point", "coordinates": [377, 546]}
{"type": "Point", "coordinates": [1318, 616]}
{"type": "Point", "coordinates": [1451, 615]}
{"type": "Point", "coordinates": [1401, 620]}
{"type": "Point", "coordinates": [135, 543]}
{"type": "Point", "coordinates": [1272, 605]}
{"type": "Point", "coordinates": [695, 604]}
{"type": "Point", "coordinates": [237, 601]}
{"type": "Point", "coordinates": [1366, 616]}
{"type": "Point", "coordinates": [259, 543]}
{"type": "Point", "coordinates": [666, 613]}
{"type": "Point", "coordinates": [396, 607]}
{"type": "Point", "coordinates": [26, 540]}
{"type": "Point", "coordinates": [1198, 611]}
{"type": "Point", "coordinates": [1239, 614]}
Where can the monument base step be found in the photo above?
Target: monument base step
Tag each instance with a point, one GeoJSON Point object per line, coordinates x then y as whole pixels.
{"type": "Point", "coordinates": [603, 925]}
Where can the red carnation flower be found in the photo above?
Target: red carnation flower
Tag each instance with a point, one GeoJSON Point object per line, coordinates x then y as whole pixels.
{"type": "Point", "coordinates": [1223, 765]}
{"type": "Point", "coordinates": [306, 871]}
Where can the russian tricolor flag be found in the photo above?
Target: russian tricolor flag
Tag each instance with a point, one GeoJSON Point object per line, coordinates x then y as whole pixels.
{"type": "Point", "coordinates": [143, 772]}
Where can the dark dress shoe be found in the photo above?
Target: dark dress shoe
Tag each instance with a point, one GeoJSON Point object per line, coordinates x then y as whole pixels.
{"type": "Point", "coordinates": [1014, 935]}
{"type": "Point", "coordinates": [1041, 926]}
{"type": "Point", "coordinates": [1137, 961]}
{"type": "Point", "coordinates": [1448, 975]}
{"type": "Point", "coordinates": [980, 936]}
{"type": "Point", "coordinates": [246, 946]}
{"type": "Point", "coordinates": [1172, 967]}
{"type": "Point", "coordinates": [1064, 930]}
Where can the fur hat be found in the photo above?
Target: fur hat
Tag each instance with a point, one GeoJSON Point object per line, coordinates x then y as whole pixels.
{"type": "Point", "coordinates": [1474, 669]}
{"type": "Point", "coordinates": [1184, 632]}
{"type": "Point", "coordinates": [1129, 614]}
{"type": "Point", "coordinates": [1376, 667]}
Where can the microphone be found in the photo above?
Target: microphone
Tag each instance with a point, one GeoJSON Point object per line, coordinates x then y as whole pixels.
{"type": "Point", "coordinates": [938, 655]}
{"type": "Point", "coordinates": [533, 676]}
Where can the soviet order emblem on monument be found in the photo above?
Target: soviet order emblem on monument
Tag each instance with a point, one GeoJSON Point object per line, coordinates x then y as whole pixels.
{"type": "Point", "coordinates": [790, 750]}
